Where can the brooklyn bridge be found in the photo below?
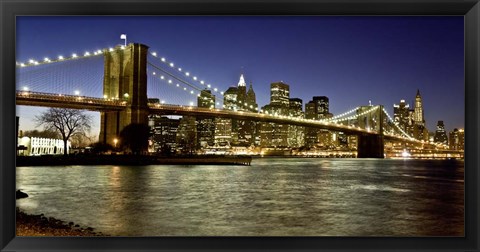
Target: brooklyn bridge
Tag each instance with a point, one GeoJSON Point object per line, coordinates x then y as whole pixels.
{"type": "Point", "coordinates": [131, 73]}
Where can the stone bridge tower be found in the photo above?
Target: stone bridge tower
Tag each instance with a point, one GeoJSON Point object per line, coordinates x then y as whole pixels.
{"type": "Point", "coordinates": [125, 79]}
{"type": "Point", "coordinates": [371, 145]}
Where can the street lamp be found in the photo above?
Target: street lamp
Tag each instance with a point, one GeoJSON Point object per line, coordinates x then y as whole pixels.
{"type": "Point", "coordinates": [115, 141]}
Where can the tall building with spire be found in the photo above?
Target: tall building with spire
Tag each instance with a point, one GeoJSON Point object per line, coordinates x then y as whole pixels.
{"type": "Point", "coordinates": [238, 132]}
{"type": "Point", "coordinates": [251, 99]}
{"type": "Point", "coordinates": [420, 131]}
{"type": "Point", "coordinates": [418, 110]}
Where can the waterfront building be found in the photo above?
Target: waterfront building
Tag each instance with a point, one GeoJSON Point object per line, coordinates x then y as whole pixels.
{"type": "Point", "coordinates": [318, 109]}
{"type": "Point", "coordinates": [296, 134]}
{"type": "Point", "coordinates": [164, 133]}
{"type": "Point", "coordinates": [440, 134]}
{"type": "Point", "coordinates": [36, 146]}
{"type": "Point", "coordinates": [274, 134]}
{"type": "Point", "coordinates": [223, 126]}
{"type": "Point", "coordinates": [456, 139]}
{"type": "Point", "coordinates": [253, 107]}
{"type": "Point", "coordinates": [187, 135]}
{"type": "Point", "coordinates": [242, 132]}
{"type": "Point", "coordinates": [205, 124]}
{"type": "Point", "coordinates": [223, 132]}
{"type": "Point", "coordinates": [311, 133]}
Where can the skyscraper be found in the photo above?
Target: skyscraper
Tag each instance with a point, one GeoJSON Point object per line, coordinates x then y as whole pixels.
{"type": "Point", "coordinates": [440, 134]}
{"type": "Point", "coordinates": [457, 139]}
{"type": "Point", "coordinates": [223, 126]}
{"type": "Point", "coordinates": [279, 94]}
{"type": "Point", "coordinates": [420, 131]}
{"type": "Point", "coordinates": [401, 115]}
{"type": "Point", "coordinates": [164, 133]}
{"type": "Point", "coordinates": [251, 99]}
{"type": "Point", "coordinates": [205, 124]}
{"type": "Point", "coordinates": [318, 109]}
{"type": "Point", "coordinates": [322, 106]}
{"type": "Point", "coordinates": [237, 132]}
{"type": "Point", "coordinates": [187, 135]}
{"type": "Point", "coordinates": [274, 134]}
{"type": "Point", "coordinates": [418, 110]}
{"type": "Point", "coordinates": [296, 134]}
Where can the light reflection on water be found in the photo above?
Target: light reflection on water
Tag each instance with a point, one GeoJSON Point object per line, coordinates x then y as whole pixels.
{"type": "Point", "coordinates": [274, 196]}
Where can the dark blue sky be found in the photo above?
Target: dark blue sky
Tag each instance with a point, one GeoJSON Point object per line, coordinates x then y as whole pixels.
{"type": "Point", "coordinates": [349, 59]}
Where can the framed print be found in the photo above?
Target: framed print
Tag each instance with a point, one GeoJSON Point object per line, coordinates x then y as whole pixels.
{"type": "Point", "coordinates": [273, 125]}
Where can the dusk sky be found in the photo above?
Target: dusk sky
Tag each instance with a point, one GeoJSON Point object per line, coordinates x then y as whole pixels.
{"type": "Point", "coordinates": [351, 60]}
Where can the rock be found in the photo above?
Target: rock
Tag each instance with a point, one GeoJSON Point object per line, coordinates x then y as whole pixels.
{"type": "Point", "coordinates": [20, 195]}
{"type": "Point", "coordinates": [77, 225]}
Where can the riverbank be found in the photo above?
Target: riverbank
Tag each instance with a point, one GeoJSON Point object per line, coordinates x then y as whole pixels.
{"type": "Point", "coordinates": [40, 225]}
{"type": "Point", "coordinates": [131, 160]}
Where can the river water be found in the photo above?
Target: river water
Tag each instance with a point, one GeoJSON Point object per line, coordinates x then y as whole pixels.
{"type": "Point", "coordinates": [272, 197]}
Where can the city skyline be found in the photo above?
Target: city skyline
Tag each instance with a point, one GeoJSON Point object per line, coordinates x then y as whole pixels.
{"type": "Point", "coordinates": [345, 65]}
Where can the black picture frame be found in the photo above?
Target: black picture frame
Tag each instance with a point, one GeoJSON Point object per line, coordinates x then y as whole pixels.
{"type": "Point", "coordinates": [11, 8]}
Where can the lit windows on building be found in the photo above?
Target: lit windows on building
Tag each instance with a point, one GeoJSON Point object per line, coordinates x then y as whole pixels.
{"type": "Point", "coordinates": [36, 146]}
{"type": "Point", "coordinates": [296, 134]}
{"type": "Point", "coordinates": [164, 133]}
{"type": "Point", "coordinates": [440, 134]}
{"type": "Point", "coordinates": [280, 94]}
{"type": "Point", "coordinates": [456, 139]}
{"type": "Point", "coordinates": [401, 115]}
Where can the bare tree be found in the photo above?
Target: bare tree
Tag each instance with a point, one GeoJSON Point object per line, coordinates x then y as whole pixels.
{"type": "Point", "coordinates": [68, 122]}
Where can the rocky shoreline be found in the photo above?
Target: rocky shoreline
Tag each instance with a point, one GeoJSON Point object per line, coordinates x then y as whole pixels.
{"type": "Point", "coordinates": [40, 225]}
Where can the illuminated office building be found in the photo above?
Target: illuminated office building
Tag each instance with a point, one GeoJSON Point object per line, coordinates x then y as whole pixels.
{"type": "Point", "coordinates": [456, 139]}
{"type": "Point", "coordinates": [205, 124]}
{"type": "Point", "coordinates": [440, 134]}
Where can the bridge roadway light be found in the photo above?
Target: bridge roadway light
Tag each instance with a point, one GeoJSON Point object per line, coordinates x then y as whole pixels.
{"type": "Point", "coordinates": [115, 141]}
{"type": "Point", "coordinates": [77, 92]}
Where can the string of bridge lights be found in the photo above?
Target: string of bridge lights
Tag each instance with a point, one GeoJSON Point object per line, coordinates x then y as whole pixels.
{"type": "Point", "coordinates": [62, 58]}
{"type": "Point", "coordinates": [186, 73]}
{"type": "Point", "coordinates": [178, 85]}
{"type": "Point", "coordinates": [342, 115]}
{"type": "Point", "coordinates": [195, 79]}
{"type": "Point", "coordinates": [356, 116]}
{"type": "Point", "coordinates": [396, 124]}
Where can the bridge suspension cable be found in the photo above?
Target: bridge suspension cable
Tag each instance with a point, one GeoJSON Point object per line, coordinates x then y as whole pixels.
{"type": "Point", "coordinates": [62, 58]}
{"type": "Point", "coordinates": [186, 73]}
{"type": "Point", "coordinates": [80, 77]}
{"type": "Point", "coordinates": [396, 125]}
{"type": "Point", "coordinates": [188, 81]}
